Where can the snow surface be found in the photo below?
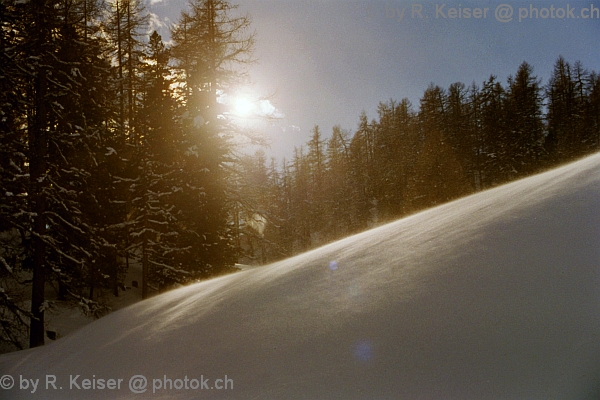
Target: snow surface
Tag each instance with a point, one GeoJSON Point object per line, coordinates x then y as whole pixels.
{"type": "Point", "coordinates": [493, 296]}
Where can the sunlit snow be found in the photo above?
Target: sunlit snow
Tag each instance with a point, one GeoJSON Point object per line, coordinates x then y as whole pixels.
{"type": "Point", "coordinates": [494, 296]}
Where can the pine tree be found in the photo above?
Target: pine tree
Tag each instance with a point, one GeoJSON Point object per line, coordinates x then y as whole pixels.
{"type": "Point", "coordinates": [567, 102]}
{"type": "Point", "coordinates": [385, 164]}
{"type": "Point", "coordinates": [524, 131]}
{"type": "Point", "coordinates": [73, 157]}
{"type": "Point", "coordinates": [51, 137]}
{"type": "Point", "coordinates": [362, 174]}
{"type": "Point", "coordinates": [476, 137]}
{"type": "Point", "coordinates": [153, 224]}
{"type": "Point", "coordinates": [280, 230]}
{"type": "Point", "coordinates": [126, 26]}
{"type": "Point", "coordinates": [300, 206]}
{"type": "Point", "coordinates": [338, 205]}
{"type": "Point", "coordinates": [592, 113]}
{"type": "Point", "coordinates": [493, 121]}
{"type": "Point", "coordinates": [438, 176]}
{"type": "Point", "coordinates": [101, 207]}
{"type": "Point", "coordinates": [14, 218]}
{"type": "Point", "coordinates": [208, 44]}
{"type": "Point", "coordinates": [315, 164]}
{"type": "Point", "coordinates": [458, 130]}
{"type": "Point", "coordinates": [394, 155]}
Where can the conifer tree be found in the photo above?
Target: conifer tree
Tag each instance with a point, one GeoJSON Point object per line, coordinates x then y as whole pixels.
{"type": "Point", "coordinates": [52, 136]}
{"type": "Point", "coordinates": [315, 164]}
{"type": "Point", "coordinates": [476, 138]}
{"type": "Point", "coordinates": [458, 130]}
{"type": "Point", "coordinates": [493, 128]}
{"type": "Point", "coordinates": [279, 231]}
{"type": "Point", "coordinates": [254, 210]}
{"type": "Point", "coordinates": [523, 137]}
{"type": "Point", "coordinates": [301, 205]}
{"type": "Point", "coordinates": [394, 155]}
{"type": "Point", "coordinates": [209, 43]}
{"type": "Point", "coordinates": [126, 26]}
{"type": "Point", "coordinates": [153, 219]}
{"type": "Point", "coordinates": [15, 257]}
{"type": "Point", "coordinates": [592, 113]}
{"type": "Point", "coordinates": [566, 102]}
{"type": "Point", "coordinates": [338, 205]}
{"type": "Point", "coordinates": [362, 173]}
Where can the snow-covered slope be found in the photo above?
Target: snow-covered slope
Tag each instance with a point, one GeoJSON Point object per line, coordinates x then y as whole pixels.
{"type": "Point", "coordinates": [494, 296]}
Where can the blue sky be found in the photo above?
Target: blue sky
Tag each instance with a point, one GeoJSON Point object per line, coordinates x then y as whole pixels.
{"type": "Point", "coordinates": [325, 61]}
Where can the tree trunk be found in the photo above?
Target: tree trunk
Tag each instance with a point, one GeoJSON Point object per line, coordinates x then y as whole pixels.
{"type": "Point", "coordinates": [115, 263]}
{"type": "Point", "coordinates": [130, 75]}
{"type": "Point", "coordinates": [120, 63]}
{"type": "Point", "coordinates": [38, 144]}
{"type": "Point", "coordinates": [144, 270]}
{"type": "Point", "coordinates": [92, 280]}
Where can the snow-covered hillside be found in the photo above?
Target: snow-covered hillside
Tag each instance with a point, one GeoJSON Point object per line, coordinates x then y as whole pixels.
{"type": "Point", "coordinates": [494, 296]}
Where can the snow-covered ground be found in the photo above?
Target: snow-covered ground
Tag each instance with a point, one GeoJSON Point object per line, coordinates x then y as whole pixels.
{"type": "Point", "coordinates": [64, 317]}
{"type": "Point", "coordinates": [493, 296]}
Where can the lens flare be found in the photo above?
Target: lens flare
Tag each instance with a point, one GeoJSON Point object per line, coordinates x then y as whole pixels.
{"type": "Point", "coordinates": [243, 106]}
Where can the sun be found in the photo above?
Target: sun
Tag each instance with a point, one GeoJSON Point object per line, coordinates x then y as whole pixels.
{"type": "Point", "coordinates": [243, 106]}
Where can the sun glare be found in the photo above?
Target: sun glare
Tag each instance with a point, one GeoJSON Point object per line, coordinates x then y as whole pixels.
{"type": "Point", "coordinates": [243, 106]}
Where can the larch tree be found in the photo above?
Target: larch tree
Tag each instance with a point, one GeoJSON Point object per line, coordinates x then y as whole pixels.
{"type": "Point", "coordinates": [301, 205]}
{"type": "Point", "coordinates": [362, 173]}
{"type": "Point", "coordinates": [458, 130]}
{"type": "Point", "coordinates": [14, 217]}
{"type": "Point", "coordinates": [338, 199]}
{"type": "Point", "coordinates": [394, 155]}
{"type": "Point", "coordinates": [126, 25]}
{"type": "Point", "coordinates": [315, 159]}
{"type": "Point", "coordinates": [52, 139]}
{"type": "Point", "coordinates": [210, 46]}
{"type": "Point", "coordinates": [152, 219]}
{"type": "Point", "coordinates": [592, 113]}
{"type": "Point", "coordinates": [476, 139]}
{"type": "Point", "coordinates": [524, 134]}
{"type": "Point", "coordinates": [493, 125]}
{"type": "Point", "coordinates": [567, 101]}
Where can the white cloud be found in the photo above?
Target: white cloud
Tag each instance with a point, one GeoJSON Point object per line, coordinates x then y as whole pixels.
{"type": "Point", "coordinates": [155, 24]}
{"type": "Point", "coordinates": [269, 110]}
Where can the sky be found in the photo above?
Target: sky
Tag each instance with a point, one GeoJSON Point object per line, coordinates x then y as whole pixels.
{"type": "Point", "coordinates": [493, 296]}
{"type": "Point", "coordinates": [323, 62]}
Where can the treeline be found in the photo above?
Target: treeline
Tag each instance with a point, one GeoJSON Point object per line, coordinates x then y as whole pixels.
{"type": "Point", "coordinates": [113, 150]}
{"type": "Point", "coordinates": [461, 140]}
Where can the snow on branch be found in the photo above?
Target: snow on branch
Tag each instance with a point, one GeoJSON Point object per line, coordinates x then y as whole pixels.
{"type": "Point", "coordinates": [66, 222]}
{"type": "Point", "coordinates": [169, 267]}
{"type": "Point", "coordinates": [5, 264]}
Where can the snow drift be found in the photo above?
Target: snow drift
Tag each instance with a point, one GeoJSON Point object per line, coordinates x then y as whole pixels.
{"type": "Point", "coordinates": [493, 296]}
